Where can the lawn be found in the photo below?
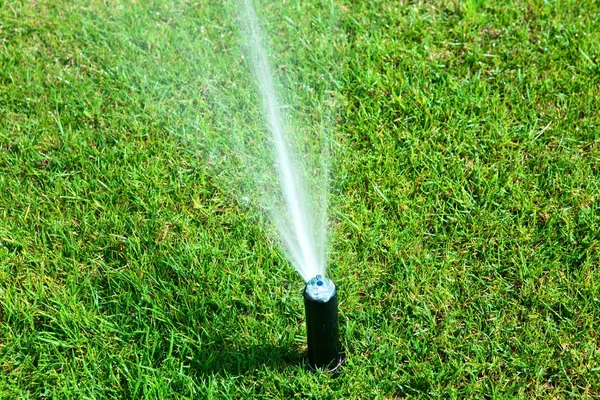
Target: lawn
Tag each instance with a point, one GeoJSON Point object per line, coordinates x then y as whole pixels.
{"type": "Point", "coordinates": [464, 215]}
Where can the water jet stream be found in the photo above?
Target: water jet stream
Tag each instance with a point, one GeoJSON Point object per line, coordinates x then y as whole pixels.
{"type": "Point", "coordinates": [296, 226]}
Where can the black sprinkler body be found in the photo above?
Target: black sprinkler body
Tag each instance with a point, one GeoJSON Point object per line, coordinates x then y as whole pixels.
{"type": "Point", "coordinates": [322, 331]}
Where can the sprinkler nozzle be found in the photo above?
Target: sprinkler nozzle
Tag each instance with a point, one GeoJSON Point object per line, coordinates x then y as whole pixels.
{"type": "Point", "coordinates": [322, 333]}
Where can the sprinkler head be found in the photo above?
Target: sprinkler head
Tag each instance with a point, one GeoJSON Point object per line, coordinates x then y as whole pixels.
{"type": "Point", "coordinates": [322, 334]}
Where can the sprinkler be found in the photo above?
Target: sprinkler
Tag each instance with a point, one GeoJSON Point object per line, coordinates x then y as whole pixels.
{"type": "Point", "coordinates": [322, 336]}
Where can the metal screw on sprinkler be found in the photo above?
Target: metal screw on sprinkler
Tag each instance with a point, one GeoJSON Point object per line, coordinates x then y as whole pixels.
{"type": "Point", "coordinates": [322, 331]}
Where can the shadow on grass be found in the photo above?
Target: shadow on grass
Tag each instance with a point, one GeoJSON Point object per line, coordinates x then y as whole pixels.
{"type": "Point", "coordinates": [218, 359]}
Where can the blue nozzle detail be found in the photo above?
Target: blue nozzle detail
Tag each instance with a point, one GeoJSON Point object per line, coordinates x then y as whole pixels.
{"type": "Point", "coordinates": [320, 289]}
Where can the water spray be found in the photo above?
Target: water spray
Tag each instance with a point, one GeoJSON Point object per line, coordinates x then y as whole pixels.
{"type": "Point", "coordinates": [322, 332]}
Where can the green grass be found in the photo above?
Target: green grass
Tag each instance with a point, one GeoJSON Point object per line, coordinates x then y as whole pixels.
{"type": "Point", "coordinates": [465, 209]}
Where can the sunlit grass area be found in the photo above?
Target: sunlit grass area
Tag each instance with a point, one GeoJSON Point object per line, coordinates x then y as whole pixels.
{"type": "Point", "coordinates": [464, 210]}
